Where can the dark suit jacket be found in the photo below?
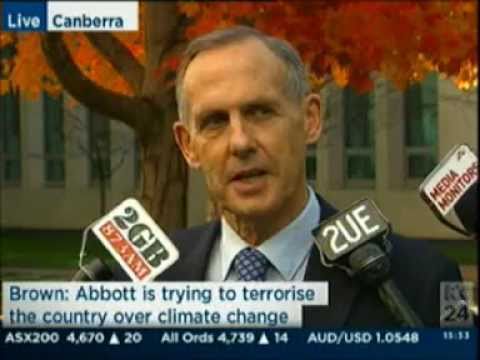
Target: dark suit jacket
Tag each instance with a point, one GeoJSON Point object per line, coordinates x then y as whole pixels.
{"type": "Point", "coordinates": [417, 270]}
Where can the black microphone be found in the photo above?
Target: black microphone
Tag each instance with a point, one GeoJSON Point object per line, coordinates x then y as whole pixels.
{"type": "Point", "coordinates": [453, 185]}
{"type": "Point", "coordinates": [372, 265]}
{"type": "Point", "coordinates": [355, 240]}
{"type": "Point", "coordinates": [95, 270]}
{"type": "Point", "coordinates": [467, 210]}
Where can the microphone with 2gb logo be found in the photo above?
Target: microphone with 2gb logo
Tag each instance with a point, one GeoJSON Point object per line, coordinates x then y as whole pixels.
{"type": "Point", "coordinates": [134, 240]}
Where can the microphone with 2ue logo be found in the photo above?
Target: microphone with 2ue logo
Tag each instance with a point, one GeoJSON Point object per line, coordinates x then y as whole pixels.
{"type": "Point", "coordinates": [355, 241]}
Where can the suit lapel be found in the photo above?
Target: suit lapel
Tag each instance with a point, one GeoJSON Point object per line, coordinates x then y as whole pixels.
{"type": "Point", "coordinates": [196, 258]}
{"type": "Point", "coordinates": [341, 289]}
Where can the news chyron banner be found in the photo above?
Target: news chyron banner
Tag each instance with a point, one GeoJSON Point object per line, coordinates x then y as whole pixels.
{"type": "Point", "coordinates": [157, 305]}
{"type": "Point", "coordinates": [32, 16]}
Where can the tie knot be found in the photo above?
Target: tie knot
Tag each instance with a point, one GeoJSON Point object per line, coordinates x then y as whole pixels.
{"type": "Point", "coordinates": [251, 265]}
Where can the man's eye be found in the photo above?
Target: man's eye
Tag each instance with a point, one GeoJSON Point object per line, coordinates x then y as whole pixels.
{"type": "Point", "coordinates": [213, 121]}
{"type": "Point", "coordinates": [260, 111]}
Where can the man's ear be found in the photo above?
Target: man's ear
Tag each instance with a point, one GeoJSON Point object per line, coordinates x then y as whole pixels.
{"type": "Point", "coordinates": [313, 122]}
{"type": "Point", "coordinates": [184, 142]}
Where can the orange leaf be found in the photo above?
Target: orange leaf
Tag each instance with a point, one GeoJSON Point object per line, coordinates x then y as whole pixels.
{"type": "Point", "coordinates": [341, 74]}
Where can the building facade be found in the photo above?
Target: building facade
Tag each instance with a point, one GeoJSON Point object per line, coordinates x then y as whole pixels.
{"type": "Point", "coordinates": [380, 145]}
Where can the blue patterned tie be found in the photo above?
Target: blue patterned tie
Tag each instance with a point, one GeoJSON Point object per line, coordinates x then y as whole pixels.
{"type": "Point", "coordinates": [251, 265]}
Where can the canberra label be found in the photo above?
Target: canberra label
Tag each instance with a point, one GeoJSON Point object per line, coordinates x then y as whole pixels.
{"type": "Point", "coordinates": [70, 16]}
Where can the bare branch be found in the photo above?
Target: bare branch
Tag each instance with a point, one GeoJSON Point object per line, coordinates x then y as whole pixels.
{"type": "Point", "coordinates": [134, 112]}
{"type": "Point", "coordinates": [162, 27]}
{"type": "Point", "coordinates": [114, 168]}
{"type": "Point", "coordinates": [120, 57]}
{"type": "Point", "coordinates": [83, 148]}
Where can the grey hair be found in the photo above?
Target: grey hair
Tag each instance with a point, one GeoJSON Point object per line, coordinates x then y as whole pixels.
{"type": "Point", "coordinates": [297, 85]}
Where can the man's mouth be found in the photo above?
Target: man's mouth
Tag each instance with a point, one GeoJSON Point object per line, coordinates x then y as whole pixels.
{"type": "Point", "coordinates": [248, 174]}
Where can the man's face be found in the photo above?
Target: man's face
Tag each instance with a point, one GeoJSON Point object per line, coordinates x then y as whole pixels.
{"type": "Point", "coordinates": [245, 134]}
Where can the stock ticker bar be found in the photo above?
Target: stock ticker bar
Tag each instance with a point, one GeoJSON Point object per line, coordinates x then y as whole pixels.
{"type": "Point", "coordinates": [30, 16]}
{"type": "Point", "coordinates": [446, 343]}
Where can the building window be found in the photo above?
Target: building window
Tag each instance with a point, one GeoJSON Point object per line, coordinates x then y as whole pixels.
{"type": "Point", "coordinates": [359, 136]}
{"type": "Point", "coordinates": [311, 165]}
{"type": "Point", "coordinates": [421, 127]}
{"type": "Point", "coordinates": [99, 148]}
{"type": "Point", "coordinates": [54, 144]}
{"type": "Point", "coordinates": [10, 159]}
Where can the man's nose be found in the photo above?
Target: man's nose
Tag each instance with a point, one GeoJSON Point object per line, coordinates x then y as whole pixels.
{"type": "Point", "coordinates": [242, 143]}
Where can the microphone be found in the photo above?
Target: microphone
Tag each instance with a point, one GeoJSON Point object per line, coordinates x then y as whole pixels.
{"type": "Point", "coordinates": [467, 209]}
{"type": "Point", "coordinates": [372, 265]}
{"type": "Point", "coordinates": [453, 185]}
{"type": "Point", "coordinates": [134, 240]}
{"type": "Point", "coordinates": [96, 270]}
{"type": "Point", "coordinates": [355, 240]}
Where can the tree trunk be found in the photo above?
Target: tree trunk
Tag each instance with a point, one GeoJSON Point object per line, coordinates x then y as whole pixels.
{"type": "Point", "coordinates": [165, 176]}
{"type": "Point", "coordinates": [164, 190]}
{"type": "Point", "coordinates": [151, 113]}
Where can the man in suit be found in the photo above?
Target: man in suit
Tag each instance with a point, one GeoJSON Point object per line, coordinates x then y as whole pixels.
{"type": "Point", "coordinates": [246, 116]}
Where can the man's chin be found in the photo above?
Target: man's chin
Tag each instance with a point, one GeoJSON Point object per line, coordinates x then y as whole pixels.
{"type": "Point", "coordinates": [250, 209]}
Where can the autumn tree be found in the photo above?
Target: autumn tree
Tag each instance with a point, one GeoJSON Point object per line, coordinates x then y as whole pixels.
{"type": "Point", "coordinates": [130, 76]}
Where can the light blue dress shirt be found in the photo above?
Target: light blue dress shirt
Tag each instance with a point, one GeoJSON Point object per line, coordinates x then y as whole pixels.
{"type": "Point", "coordinates": [288, 250]}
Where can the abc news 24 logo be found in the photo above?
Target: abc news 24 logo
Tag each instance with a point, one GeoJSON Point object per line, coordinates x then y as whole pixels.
{"type": "Point", "coordinates": [135, 241]}
{"type": "Point", "coordinates": [341, 234]}
{"type": "Point", "coordinates": [455, 299]}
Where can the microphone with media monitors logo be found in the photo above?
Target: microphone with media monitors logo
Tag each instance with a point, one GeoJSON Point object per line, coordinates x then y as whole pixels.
{"type": "Point", "coordinates": [453, 185]}
{"type": "Point", "coordinates": [134, 240]}
{"type": "Point", "coordinates": [355, 240]}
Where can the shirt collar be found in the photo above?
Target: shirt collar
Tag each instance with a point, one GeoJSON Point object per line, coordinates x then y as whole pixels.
{"type": "Point", "coordinates": [285, 250]}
